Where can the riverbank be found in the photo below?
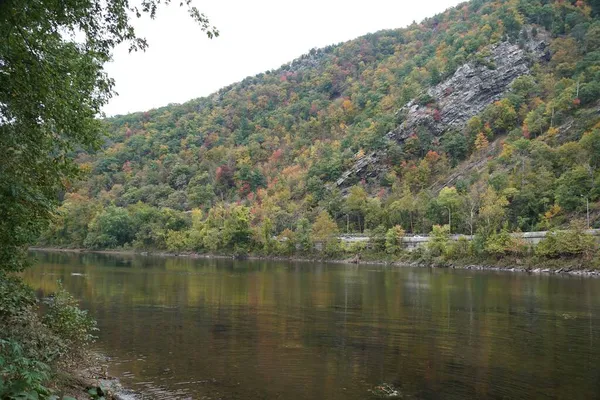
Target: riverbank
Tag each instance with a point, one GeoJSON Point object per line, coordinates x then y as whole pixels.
{"type": "Point", "coordinates": [572, 266]}
{"type": "Point", "coordinates": [91, 376]}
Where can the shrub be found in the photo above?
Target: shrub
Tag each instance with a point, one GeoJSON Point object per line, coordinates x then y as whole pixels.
{"type": "Point", "coordinates": [72, 325]}
{"type": "Point", "coordinates": [31, 346]}
{"type": "Point", "coordinates": [333, 248]}
{"type": "Point", "coordinates": [393, 240]}
{"type": "Point", "coordinates": [177, 241]}
{"type": "Point", "coordinates": [438, 244]}
{"type": "Point", "coordinates": [21, 377]}
{"type": "Point", "coordinates": [356, 247]}
{"type": "Point", "coordinates": [286, 242]}
{"type": "Point", "coordinates": [378, 238]}
{"type": "Point", "coordinates": [460, 248]}
{"type": "Point", "coordinates": [503, 243]}
{"type": "Point", "coordinates": [568, 243]}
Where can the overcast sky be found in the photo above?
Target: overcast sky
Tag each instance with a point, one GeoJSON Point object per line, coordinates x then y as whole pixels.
{"type": "Point", "coordinates": [182, 63]}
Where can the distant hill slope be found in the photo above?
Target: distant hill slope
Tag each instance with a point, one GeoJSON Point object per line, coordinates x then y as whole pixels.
{"type": "Point", "coordinates": [366, 130]}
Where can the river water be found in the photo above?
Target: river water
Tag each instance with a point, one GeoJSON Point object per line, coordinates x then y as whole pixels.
{"type": "Point", "coordinates": [179, 328]}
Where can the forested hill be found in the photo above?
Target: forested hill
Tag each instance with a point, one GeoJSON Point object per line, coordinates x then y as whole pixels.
{"type": "Point", "coordinates": [489, 111]}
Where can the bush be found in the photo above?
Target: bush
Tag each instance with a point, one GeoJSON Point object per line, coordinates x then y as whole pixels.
{"type": "Point", "coordinates": [378, 238]}
{"type": "Point", "coordinates": [439, 243]}
{"type": "Point", "coordinates": [568, 243]}
{"type": "Point", "coordinates": [31, 347]}
{"type": "Point", "coordinates": [333, 248]}
{"type": "Point", "coordinates": [21, 377]}
{"type": "Point", "coordinates": [72, 325]}
{"type": "Point", "coordinates": [178, 241]}
{"type": "Point", "coordinates": [393, 240]}
{"type": "Point", "coordinates": [356, 247]}
{"type": "Point", "coordinates": [286, 243]}
{"type": "Point", "coordinates": [503, 243]}
{"type": "Point", "coordinates": [460, 248]}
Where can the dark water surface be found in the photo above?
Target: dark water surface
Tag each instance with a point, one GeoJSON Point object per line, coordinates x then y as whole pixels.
{"type": "Point", "coordinates": [219, 329]}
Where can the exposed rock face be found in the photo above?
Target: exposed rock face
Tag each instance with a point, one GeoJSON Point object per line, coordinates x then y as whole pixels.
{"type": "Point", "coordinates": [365, 167]}
{"type": "Point", "coordinates": [470, 90]}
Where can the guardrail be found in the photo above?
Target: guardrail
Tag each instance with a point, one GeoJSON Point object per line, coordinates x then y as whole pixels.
{"type": "Point", "coordinates": [414, 241]}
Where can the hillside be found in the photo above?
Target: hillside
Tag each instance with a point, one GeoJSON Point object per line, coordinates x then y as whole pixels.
{"type": "Point", "coordinates": [487, 115]}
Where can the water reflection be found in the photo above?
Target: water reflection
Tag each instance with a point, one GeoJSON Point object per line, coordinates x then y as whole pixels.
{"type": "Point", "coordinates": [182, 328]}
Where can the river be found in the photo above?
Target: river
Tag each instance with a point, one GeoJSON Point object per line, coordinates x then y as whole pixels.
{"type": "Point", "coordinates": [180, 328]}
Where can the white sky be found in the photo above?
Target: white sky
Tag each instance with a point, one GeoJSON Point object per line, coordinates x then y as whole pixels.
{"type": "Point", "coordinates": [181, 63]}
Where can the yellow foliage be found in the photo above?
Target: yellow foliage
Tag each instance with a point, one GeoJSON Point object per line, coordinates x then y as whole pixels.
{"type": "Point", "coordinates": [481, 142]}
{"type": "Point", "coordinates": [552, 212]}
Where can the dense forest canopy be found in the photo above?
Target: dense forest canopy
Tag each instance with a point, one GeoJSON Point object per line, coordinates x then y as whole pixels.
{"type": "Point", "coordinates": [259, 159]}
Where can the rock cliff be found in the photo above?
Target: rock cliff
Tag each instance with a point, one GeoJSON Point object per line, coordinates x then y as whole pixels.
{"type": "Point", "coordinates": [450, 104]}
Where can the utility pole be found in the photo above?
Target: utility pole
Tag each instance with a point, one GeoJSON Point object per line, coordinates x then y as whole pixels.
{"type": "Point", "coordinates": [587, 209]}
{"type": "Point", "coordinates": [587, 206]}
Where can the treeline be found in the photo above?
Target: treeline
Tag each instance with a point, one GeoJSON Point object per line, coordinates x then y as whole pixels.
{"type": "Point", "coordinates": [529, 186]}
{"type": "Point", "coordinates": [252, 167]}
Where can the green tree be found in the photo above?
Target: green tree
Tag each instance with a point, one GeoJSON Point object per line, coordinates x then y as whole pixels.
{"type": "Point", "coordinates": [491, 212]}
{"type": "Point", "coordinates": [573, 188]}
{"type": "Point", "coordinates": [449, 199]}
{"type": "Point", "coordinates": [302, 234]}
{"type": "Point", "coordinates": [393, 240]}
{"type": "Point", "coordinates": [177, 241]}
{"type": "Point", "coordinates": [356, 204]}
{"type": "Point", "coordinates": [266, 233]}
{"type": "Point", "coordinates": [111, 228]}
{"type": "Point", "coordinates": [52, 87]}
{"type": "Point", "coordinates": [438, 244]}
{"type": "Point", "coordinates": [237, 234]}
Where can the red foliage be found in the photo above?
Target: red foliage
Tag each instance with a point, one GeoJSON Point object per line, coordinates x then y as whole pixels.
{"type": "Point", "coordinates": [245, 189]}
{"type": "Point", "coordinates": [432, 156]}
{"type": "Point", "coordinates": [276, 156]}
{"type": "Point", "coordinates": [576, 102]}
{"type": "Point", "coordinates": [437, 116]}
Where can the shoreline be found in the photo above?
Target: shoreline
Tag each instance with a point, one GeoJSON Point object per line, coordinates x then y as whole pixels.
{"type": "Point", "coordinates": [92, 373]}
{"type": "Point", "coordinates": [566, 268]}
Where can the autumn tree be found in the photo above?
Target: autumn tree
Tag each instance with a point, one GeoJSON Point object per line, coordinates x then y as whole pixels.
{"type": "Point", "coordinates": [481, 142]}
{"type": "Point", "coordinates": [324, 231]}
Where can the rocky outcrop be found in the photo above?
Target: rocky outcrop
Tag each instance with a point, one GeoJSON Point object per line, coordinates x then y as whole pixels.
{"type": "Point", "coordinates": [470, 90]}
{"type": "Point", "coordinates": [450, 104]}
{"type": "Point", "coordinates": [366, 167]}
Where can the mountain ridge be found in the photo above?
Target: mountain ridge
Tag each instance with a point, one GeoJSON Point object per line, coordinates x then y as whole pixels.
{"type": "Point", "coordinates": [403, 106]}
